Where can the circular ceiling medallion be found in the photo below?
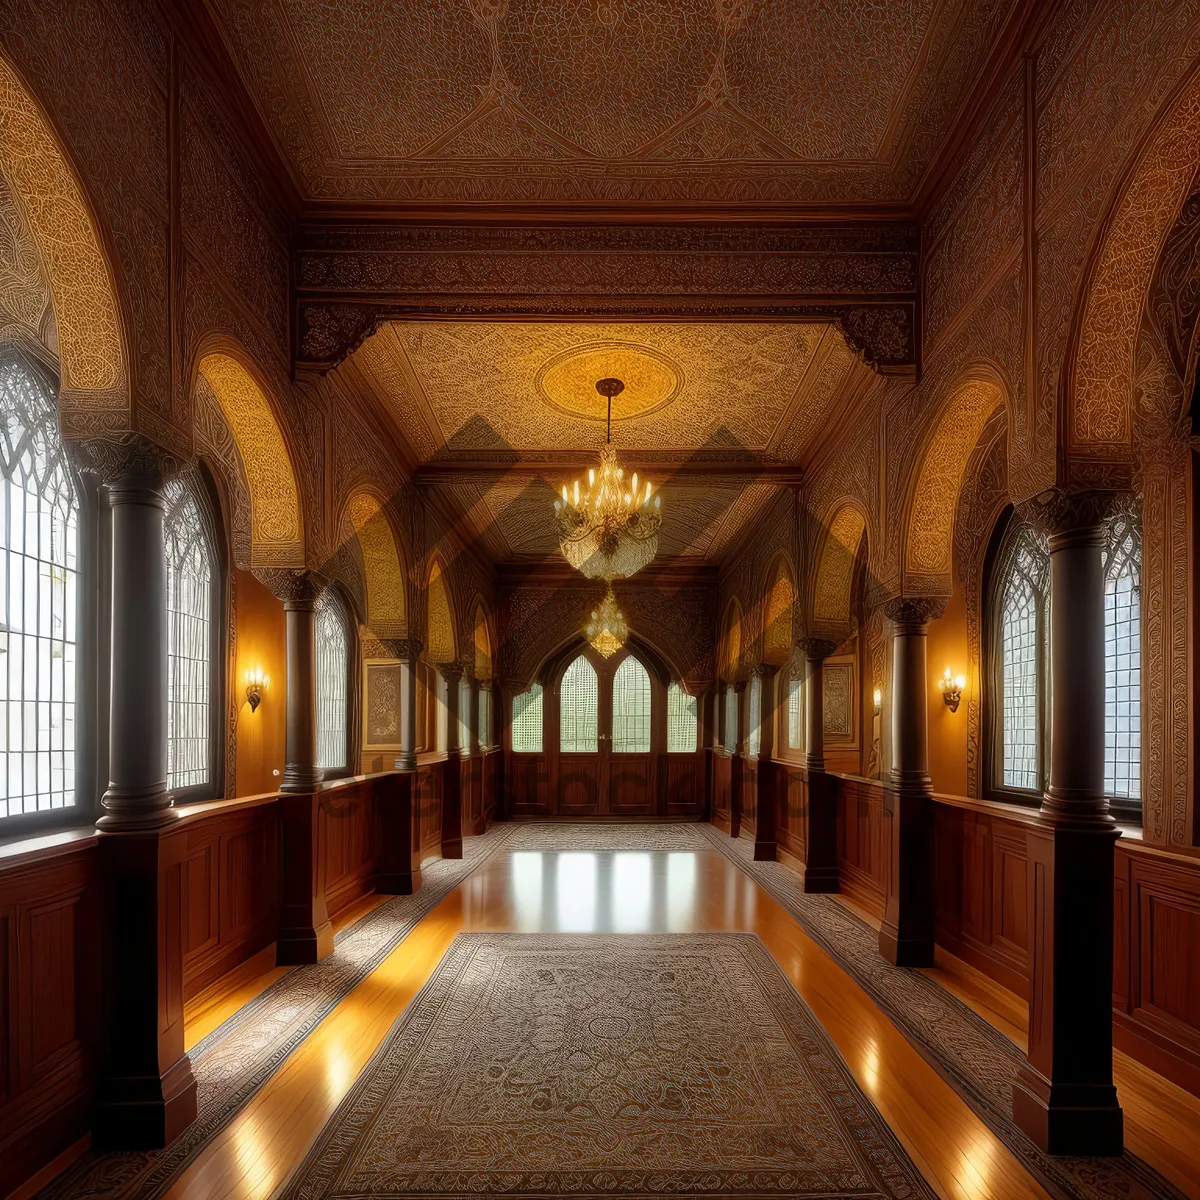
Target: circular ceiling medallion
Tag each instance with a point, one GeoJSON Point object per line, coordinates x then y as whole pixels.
{"type": "Point", "coordinates": [568, 381]}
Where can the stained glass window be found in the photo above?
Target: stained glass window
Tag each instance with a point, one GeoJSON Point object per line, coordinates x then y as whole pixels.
{"type": "Point", "coordinates": [1022, 621]}
{"type": "Point", "coordinates": [631, 708]}
{"type": "Point", "coordinates": [527, 721]}
{"type": "Point", "coordinates": [485, 717]}
{"type": "Point", "coordinates": [731, 719]}
{"type": "Point", "coordinates": [579, 708]}
{"type": "Point", "coordinates": [1123, 661]}
{"type": "Point", "coordinates": [333, 677]}
{"type": "Point", "coordinates": [754, 733]}
{"type": "Point", "coordinates": [682, 721]}
{"type": "Point", "coordinates": [39, 528]}
{"type": "Point", "coordinates": [794, 712]}
{"type": "Point", "coordinates": [190, 573]}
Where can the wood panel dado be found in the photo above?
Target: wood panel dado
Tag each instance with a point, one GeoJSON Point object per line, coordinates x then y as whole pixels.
{"type": "Point", "coordinates": [862, 842]}
{"type": "Point", "coordinates": [50, 980]}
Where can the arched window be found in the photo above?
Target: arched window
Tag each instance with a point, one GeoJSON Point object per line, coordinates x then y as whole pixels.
{"type": "Point", "coordinates": [1123, 661]}
{"type": "Point", "coordinates": [333, 679]}
{"type": "Point", "coordinates": [631, 708]}
{"type": "Point", "coordinates": [39, 598]}
{"type": "Point", "coordinates": [731, 718]}
{"type": "Point", "coordinates": [754, 733]}
{"type": "Point", "coordinates": [682, 720]}
{"type": "Point", "coordinates": [794, 712]}
{"type": "Point", "coordinates": [527, 721]}
{"type": "Point", "coordinates": [579, 708]}
{"type": "Point", "coordinates": [1020, 597]}
{"type": "Point", "coordinates": [191, 578]}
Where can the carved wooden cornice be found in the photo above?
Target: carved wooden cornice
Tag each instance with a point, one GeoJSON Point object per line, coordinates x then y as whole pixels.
{"type": "Point", "coordinates": [816, 649]}
{"type": "Point", "coordinates": [862, 276]}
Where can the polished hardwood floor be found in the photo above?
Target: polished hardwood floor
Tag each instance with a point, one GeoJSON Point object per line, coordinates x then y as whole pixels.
{"type": "Point", "coordinates": [636, 892]}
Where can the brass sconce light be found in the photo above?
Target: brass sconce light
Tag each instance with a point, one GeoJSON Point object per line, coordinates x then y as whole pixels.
{"type": "Point", "coordinates": [256, 684]}
{"type": "Point", "coordinates": [878, 699]}
{"type": "Point", "coordinates": [951, 687]}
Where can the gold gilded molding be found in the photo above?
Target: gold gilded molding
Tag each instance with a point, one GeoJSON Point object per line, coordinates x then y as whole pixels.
{"type": "Point", "coordinates": [386, 613]}
{"type": "Point", "coordinates": [276, 528]}
{"type": "Point", "coordinates": [1101, 403]}
{"type": "Point", "coordinates": [835, 572]}
{"type": "Point", "coordinates": [91, 356]}
{"type": "Point", "coordinates": [930, 545]}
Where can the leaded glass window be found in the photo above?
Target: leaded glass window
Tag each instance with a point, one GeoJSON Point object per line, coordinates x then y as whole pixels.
{"type": "Point", "coordinates": [682, 721]}
{"type": "Point", "coordinates": [485, 717]}
{"type": "Point", "coordinates": [190, 574]}
{"type": "Point", "coordinates": [1020, 636]}
{"type": "Point", "coordinates": [631, 708]}
{"type": "Point", "coordinates": [1123, 661]}
{"type": "Point", "coordinates": [39, 529]}
{"type": "Point", "coordinates": [754, 733]}
{"type": "Point", "coordinates": [527, 721]}
{"type": "Point", "coordinates": [579, 705]}
{"type": "Point", "coordinates": [731, 719]}
{"type": "Point", "coordinates": [795, 712]}
{"type": "Point", "coordinates": [333, 677]}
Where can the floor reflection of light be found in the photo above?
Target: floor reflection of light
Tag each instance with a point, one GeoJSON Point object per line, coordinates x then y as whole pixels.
{"type": "Point", "coordinates": [576, 893]}
{"type": "Point", "coordinates": [527, 890]}
{"type": "Point", "coordinates": [252, 1156]}
{"type": "Point", "coordinates": [870, 1067]}
{"type": "Point", "coordinates": [339, 1071]}
{"type": "Point", "coordinates": [681, 890]}
{"type": "Point", "coordinates": [631, 901]}
{"type": "Point", "coordinates": [973, 1169]}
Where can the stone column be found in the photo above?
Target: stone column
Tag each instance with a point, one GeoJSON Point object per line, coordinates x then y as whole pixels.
{"type": "Point", "coordinates": [410, 652]}
{"type": "Point", "coordinates": [147, 1093]}
{"type": "Point", "coordinates": [906, 938]}
{"type": "Point", "coordinates": [452, 767]}
{"type": "Point", "coordinates": [1064, 1096]}
{"type": "Point", "coordinates": [821, 864]}
{"type": "Point", "coordinates": [305, 931]}
{"type": "Point", "coordinates": [767, 777]}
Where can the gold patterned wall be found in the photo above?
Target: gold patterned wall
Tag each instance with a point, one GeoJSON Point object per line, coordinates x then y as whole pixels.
{"type": "Point", "coordinates": [440, 642]}
{"type": "Point", "coordinates": [276, 529]}
{"type": "Point", "coordinates": [778, 623]}
{"type": "Point", "coordinates": [40, 181]}
{"type": "Point", "coordinates": [930, 544]}
{"type": "Point", "coordinates": [832, 592]}
{"type": "Point", "coordinates": [483, 645]}
{"type": "Point", "coordinates": [386, 616]}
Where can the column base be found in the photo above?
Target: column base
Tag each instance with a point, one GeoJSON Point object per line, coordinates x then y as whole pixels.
{"type": "Point", "coordinates": [452, 848]}
{"type": "Point", "coordinates": [905, 952]}
{"type": "Point", "coordinates": [301, 947]}
{"type": "Point", "coordinates": [821, 881]}
{"type": "Point", "coordinates": [395, 883]}
{"type": "Point", "coordinates": [146, 1113]}
{"type": "Point", "coordinates": [406, 762]}
{"type": "Point", "coordinates": [765, 852]}
{"type": "Point", "coordinates": [1068, 1120]}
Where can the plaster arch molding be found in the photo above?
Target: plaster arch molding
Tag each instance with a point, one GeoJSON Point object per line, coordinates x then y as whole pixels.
{"type": "Point", "coordinates": [58, 237]}
{"type": "Point", "coordinates": [384, 573]}
{"type": "Point", "coordinates": [276, 525]}
{"type": "Point", "coordinates": [929, 529]}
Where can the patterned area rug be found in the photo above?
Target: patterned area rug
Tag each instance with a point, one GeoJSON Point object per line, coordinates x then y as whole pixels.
{"type": "Point", "coordinates": [598, 1065]}
{"type": "Point", "coordinates": [975, 1058]}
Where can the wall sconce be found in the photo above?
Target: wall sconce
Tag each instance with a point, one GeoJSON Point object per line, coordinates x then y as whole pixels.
{"type": "Point", "coordinates": [951, 687]}
{"type": "Point", "coordinates": [877, 696]}
{"type": "Point", "coordinates": [256, 684]}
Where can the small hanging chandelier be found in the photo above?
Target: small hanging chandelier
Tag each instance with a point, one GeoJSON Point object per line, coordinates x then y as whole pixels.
{"type": "Point", "coordinates": [607, 631]}
{"type": "Point", "coordinates": [609, 529]}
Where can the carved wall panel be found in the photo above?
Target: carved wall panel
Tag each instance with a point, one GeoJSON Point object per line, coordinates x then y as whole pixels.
{"type": "Point", "coordinates": [381, 691]}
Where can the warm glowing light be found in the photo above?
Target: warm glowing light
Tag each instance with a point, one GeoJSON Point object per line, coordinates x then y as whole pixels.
{"type": "Point", "coordinates": [878, 698]}
{"type": "Point", "coordinates": [631, 899]}
{"type": "Point", "coordinates": [951, 686]}
{"type": "Point", "coordinates": [607, 631]}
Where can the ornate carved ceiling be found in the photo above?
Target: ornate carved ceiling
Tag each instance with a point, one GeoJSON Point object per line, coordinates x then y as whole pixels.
{"type": "Point", "coordinates": [610, 100]}
{"type": "Point", "coordinates": [501, 413]}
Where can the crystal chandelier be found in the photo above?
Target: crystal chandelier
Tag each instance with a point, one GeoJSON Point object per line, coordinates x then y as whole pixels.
{"type": "Point", "coordinates": [608, 529]}
{"type": "Point", "coordinates": [607, 630]}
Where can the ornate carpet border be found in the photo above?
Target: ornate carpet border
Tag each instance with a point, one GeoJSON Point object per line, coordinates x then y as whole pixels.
{"type": "Point", "coordinates": [974, 1057]}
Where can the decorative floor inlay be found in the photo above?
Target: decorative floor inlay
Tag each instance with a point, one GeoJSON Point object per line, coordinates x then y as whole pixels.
{"type": "Point", "coordinates": [975, 1058]}
{"type": "Point", "coordinates": [602, 1065]}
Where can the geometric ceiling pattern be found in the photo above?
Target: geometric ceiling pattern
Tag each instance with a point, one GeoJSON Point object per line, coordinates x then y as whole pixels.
{"type": "Point", "coordinates": [471, 396]}
{"type": "Point", "coordinates": [563, 100]}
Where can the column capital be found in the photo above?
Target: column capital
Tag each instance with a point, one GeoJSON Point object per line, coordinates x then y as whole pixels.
{"type": "Point", "coordinates": [403, 649]}
{"type": "Point", "coordinates": [1069, 517]}
{"type": "Point", "coordinates": [129, 461]}
{"type": "Point", "coordinates": [911, 614]}
{"type": "Point", "coordinates": [294, 586]}
{"type": "Point", "coordinates": [816, 649]}
{"type": "Point", "coordinates": [451, 672]}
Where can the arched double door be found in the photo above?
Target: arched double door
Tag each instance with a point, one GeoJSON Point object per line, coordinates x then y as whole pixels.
{"type": "Point", "coordinates": [611, 719]}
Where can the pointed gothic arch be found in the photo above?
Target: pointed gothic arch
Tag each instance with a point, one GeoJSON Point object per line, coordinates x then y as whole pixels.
{"type": "Point", "coordinates": [383, 566]}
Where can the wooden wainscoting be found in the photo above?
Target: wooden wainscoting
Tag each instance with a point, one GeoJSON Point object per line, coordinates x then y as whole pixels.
{"type": "Point", "coordinates": [50, 989]}
{"type": "Point", "coordinates": [747, 799]}
{"type": "Point", "coordinates": [862, 842]}
{"type": "Point", "coordinates": [231, 889]}
{"type": "Point", "coordinates": [791, 826]}
{"type": "Point", "coordinates": [683, 785]}
{"type": "Point", "coordinates": [427, 810]}
{"type": "Point", "coordinates": [348, 826]}
{"type": "Point", "coordinates": [722, 789]}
